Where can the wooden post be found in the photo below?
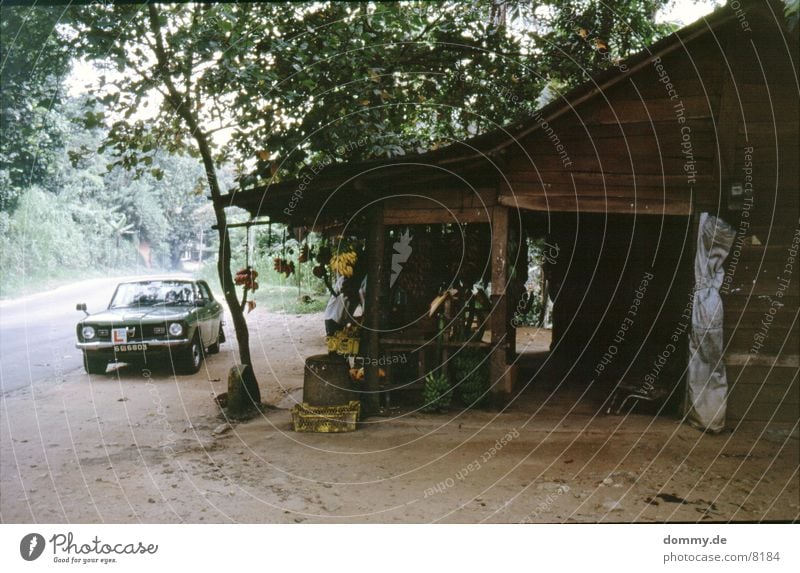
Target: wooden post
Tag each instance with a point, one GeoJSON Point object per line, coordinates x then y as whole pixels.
{"type": "Point", "coordinates": [376, 279]}
{"type": "Point", "coordinates": [520, 263]}
{"type": "Point", "coordinates": [499, 377]}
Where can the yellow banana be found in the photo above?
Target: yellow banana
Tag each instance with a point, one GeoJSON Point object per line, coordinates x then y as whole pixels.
{"type": "Point", "coordinates": [343, 263]}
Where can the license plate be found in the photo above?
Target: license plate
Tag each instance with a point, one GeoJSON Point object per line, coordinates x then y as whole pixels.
{"type": "Point", "coordinates": [130, 347]}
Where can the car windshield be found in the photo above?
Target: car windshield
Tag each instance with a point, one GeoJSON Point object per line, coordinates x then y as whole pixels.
{"type": "Point", "coordinates": [153, 293]}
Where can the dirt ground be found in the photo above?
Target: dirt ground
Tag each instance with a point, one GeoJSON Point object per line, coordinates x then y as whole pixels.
{"type": "Point", "coordinates": [129, 447]}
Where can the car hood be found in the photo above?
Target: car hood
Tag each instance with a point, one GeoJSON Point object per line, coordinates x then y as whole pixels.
{"type": "Point", "coordinates": [141, 314]}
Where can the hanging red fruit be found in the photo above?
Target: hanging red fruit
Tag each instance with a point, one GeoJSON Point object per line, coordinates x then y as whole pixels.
{"type": "Point", "coordinates": [247, 278]}
{"type": "Point", "coordinates": [304, 254]}
{"type": "Point", "coordinates": [242, 276]}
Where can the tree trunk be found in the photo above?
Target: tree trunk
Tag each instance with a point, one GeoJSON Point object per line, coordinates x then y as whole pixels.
{"type": "Point", "coordinates": [183, 107]}
{"type": "Point", "coordinates": [372, 311]}
{"type": "Point", "coordinates": [243, 393]}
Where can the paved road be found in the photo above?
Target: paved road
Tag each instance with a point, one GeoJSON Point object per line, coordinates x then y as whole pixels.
{"type": "Point", "coordinates": [37, 333]}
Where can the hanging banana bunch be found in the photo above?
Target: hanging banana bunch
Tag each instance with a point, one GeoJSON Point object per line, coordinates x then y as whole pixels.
{"type": "Point", "coordinates": [343, 263]}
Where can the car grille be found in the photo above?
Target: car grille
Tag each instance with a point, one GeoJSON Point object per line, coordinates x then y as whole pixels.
{"type": "Point", "coordinates": [147, 331]}
{"type": "Point", "coordinates": [136, 333]}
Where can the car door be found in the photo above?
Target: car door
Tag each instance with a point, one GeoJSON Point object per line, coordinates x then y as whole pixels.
{"type": "Point", "coordinates": [209, 314]}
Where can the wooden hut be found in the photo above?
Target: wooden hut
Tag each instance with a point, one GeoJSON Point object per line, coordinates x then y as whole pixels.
{"type": "Point", "coordinates": [615, 174]}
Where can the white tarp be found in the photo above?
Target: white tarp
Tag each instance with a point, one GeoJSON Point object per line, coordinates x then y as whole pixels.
{"type": "Point", "coordinates": [706, 380]}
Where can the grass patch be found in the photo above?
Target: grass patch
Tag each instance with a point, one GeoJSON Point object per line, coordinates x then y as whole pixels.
{"type": "Point", "coordinates": [284, 299]}
{"type": "Point", "coordinates": [271, 295]}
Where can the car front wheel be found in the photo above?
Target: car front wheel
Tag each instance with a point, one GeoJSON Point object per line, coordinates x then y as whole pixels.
{"type": "Point", "coordinates": [94, 364]}
{"type": "Point", "coordinates": [191, 357]}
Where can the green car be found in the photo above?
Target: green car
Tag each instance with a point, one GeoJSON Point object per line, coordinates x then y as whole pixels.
{"type": "Point", "coordinates": [153, 321]}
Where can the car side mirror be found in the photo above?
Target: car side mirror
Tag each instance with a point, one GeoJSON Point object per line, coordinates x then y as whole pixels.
{"type": "Point", "coordinates": [82, 306]}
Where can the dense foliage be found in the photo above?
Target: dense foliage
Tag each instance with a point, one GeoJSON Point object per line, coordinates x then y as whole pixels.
{"type": "Point", "coordinates": [82, 215]}
{"type": "Point", "coordinates": [35, 60]}
{"type": "Point", "coordinates": [291, 85]}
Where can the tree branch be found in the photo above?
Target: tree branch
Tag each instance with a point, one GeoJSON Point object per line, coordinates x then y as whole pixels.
{"type": "Point", "coordinates": [189, 64]}
{"type": "Point", "coordinates": [220, 128]}
{"type": "Point", "coordinates": [184, 109]}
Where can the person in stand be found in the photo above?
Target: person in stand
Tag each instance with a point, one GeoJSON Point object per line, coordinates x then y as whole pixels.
{"type": "Point", "coordinates": [355, 290]}
{"type": "Point", "coordinates": [346, 293]}
{"type": "Point", "coordinates": [335, 309]}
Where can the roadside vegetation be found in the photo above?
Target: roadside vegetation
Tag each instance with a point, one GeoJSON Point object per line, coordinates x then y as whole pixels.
{"type": "Point", "coordinates": [83, 216]}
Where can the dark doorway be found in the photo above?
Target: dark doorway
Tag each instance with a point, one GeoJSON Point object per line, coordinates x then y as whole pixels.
{"type": "Point", "coordinates": [620, 287]}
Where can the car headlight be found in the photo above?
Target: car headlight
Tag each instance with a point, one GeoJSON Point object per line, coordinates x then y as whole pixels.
{"type": "Point", "coordinates": [176, 329]}
{"type": "Point", "coordinates": [88, 332]}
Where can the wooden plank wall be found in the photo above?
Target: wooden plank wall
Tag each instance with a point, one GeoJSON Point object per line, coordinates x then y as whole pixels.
{"type": "Point", "coordinates": [625, 147]}
{"type": "Point", "coordinates": [762, 286]}
{"type": "Point", "coordinates": [419, 204]}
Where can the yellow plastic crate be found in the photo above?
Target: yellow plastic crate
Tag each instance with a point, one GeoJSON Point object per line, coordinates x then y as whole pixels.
{"type": "Point", "coordinates": [326, 419]}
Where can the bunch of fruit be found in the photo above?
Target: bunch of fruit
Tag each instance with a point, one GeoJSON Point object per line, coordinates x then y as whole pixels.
{"type": "Point", "coordinates": [246, 277]}
{"type": "Point", "coordinates": [437, 392]}
{"type": "Point", "coordinates": [357, 374]}
{"type": "Point", "coordinates": [343, 263]}
{"type": "Point", "coordinates": [283, 266]}
{"type": "Point", "coordinates": [471, 369]}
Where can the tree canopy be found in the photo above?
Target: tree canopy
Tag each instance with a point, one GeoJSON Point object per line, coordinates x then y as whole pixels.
{"type": "Point", "coordinates": [34, 61]}
{"type": "Point", "coordinates": [283, 85]}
